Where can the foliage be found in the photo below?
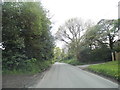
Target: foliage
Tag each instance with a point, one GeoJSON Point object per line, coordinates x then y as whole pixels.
{"type": "Point", "coordinates": [96, 55]}
{"type": "Point", "coordinates": [102, 33]}
{"type": "Point", "coordinates": [57, 53]}
{"type": "Point", "coordinates": [117, 46]}
{"type": "Point", "coordinates": [71, 33]}
{"type": "Point", "coordinates": [95, 44]}
{"type": "Point", "coordinates": [31, 67]}
{"type": "Point", "coordinates": [108, 31]}
{"type": "Point", "coordinates": [72, 62]}
{"type": "Point", "coordinates": [108, 69]}
{"type": "Point", "coordinates": [26, 35]}
{"type": "Point", "coordinates": [98, 42]}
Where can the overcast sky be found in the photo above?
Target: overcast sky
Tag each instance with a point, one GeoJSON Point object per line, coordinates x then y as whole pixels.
{"type": "Point", "coordinates": [62, 10]}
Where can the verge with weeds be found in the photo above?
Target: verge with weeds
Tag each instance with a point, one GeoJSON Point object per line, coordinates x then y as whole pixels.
{"type": "Point", "coordinates": [109, 69]}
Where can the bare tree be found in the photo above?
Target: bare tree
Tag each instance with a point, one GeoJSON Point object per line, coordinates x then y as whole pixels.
{"type": "Point", "coordinates": [71, 33]}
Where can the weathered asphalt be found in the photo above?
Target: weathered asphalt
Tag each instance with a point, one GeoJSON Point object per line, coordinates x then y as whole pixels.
{"type": "Point", "coordinates": [63, 75]}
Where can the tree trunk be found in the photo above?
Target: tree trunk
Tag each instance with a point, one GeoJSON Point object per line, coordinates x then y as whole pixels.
{"type": "Point", "coordinates": [111, 47]}
{"type": "Point", "coordinates": [113, 56]}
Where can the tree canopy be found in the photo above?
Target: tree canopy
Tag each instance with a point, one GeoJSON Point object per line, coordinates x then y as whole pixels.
{"type": "Point", "coordinates": [86, 41]}
{"type": "Point", "coordinates": [26, 33]}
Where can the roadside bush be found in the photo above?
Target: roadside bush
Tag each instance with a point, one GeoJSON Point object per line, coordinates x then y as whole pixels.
{"type": "Point", "coordinates": [17, 61]}
{"type": "Point", "coordinates": [95, 55]}
{"type": "Point", "coordinates": [31, 66]}
{"type": "Point", "coordinates": [72, 62]}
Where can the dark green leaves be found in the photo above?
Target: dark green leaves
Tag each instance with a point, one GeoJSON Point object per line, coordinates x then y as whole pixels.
{"type": "Point", "coordinates": [26, 34]}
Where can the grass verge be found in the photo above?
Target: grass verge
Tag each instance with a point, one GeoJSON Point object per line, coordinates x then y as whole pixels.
{"type": "Point", "coordinates": [109, 69]}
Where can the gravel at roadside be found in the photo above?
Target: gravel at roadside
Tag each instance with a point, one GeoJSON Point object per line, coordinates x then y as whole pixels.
{"type": "Point", "coordinates": [21, 81]}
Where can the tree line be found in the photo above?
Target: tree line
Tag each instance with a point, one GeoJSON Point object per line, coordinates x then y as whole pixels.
{"type": "Point", "coordinates": [89, 42]}
{"type": "Point", "coordinates": [26, 35]}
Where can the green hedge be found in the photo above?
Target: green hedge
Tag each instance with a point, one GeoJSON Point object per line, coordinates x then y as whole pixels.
{"type": "Point", "coordinates": [31, 67]}
{"type": "Point", "coordinates": [72, 62]}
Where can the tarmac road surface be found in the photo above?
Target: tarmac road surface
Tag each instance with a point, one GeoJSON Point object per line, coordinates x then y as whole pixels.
{"type": "Point", "coordinates": [63, 75]}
